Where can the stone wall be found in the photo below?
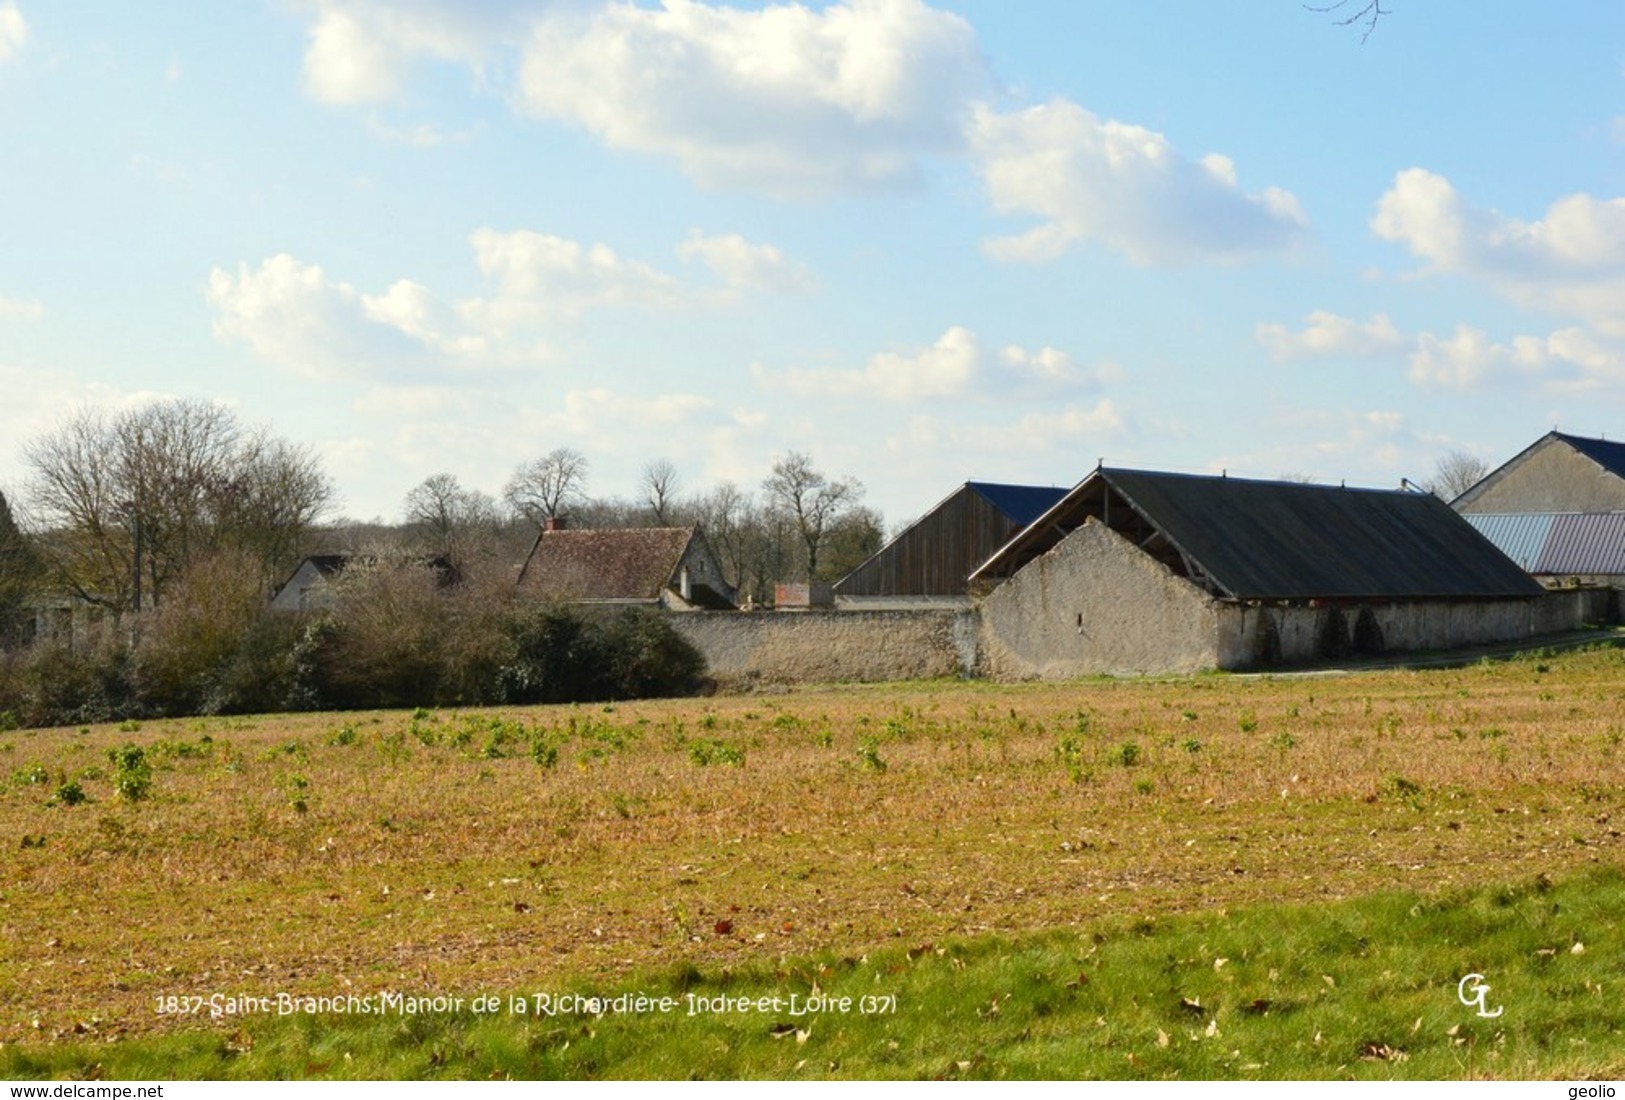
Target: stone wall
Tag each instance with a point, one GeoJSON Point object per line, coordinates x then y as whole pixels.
{"type": "Point", "coordinates": [1263, 635]}
{"type": "Point", "coordinates": [1555, 478]}
{"type": "Point", "coordinates": [1096, 604]}
{"type": "Point", "coordinates": [823, 646]}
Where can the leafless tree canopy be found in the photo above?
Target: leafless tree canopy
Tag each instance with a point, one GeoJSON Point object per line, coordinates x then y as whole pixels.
{"type": "Point", "coordinates": [547, 487]}
{"type": "Point", "coordinates": [811, 501]}
{"type": "Point", "coordinates": [1455, 473]}
{"type": "Point", "coordinates": [447, 518]}
{"type": "Point", "coordinates": [131, 501]}
{"type": "Point", "coordinates": [661, 484]}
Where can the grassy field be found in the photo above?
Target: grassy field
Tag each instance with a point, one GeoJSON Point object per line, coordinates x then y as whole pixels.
{"type": "Point", "coordinates": [946, 844]}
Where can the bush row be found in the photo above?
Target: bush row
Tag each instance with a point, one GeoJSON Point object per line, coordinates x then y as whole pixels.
{"type": "Point", "coordinates": [392, 639]}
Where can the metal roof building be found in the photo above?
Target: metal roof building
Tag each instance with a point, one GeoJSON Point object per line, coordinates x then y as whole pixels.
{"type": "Point", "coordinates": [1135, 571]}
{"type": "Point", "coordinates": [1271, 540]}
{"type": "Point", "coordinates": [1559, 545]}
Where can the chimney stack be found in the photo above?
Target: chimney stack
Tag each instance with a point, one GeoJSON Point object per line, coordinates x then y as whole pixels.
{"type": "Point", "coordinates": [555, 523]}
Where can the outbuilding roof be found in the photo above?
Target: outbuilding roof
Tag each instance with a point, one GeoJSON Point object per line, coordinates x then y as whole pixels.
{"type": "Point", "coordinates": [1558, 543]}
{"type": "Point", "coordinates": [1274, 540]}
{"type": "Point", "coordinates": [630, 564]}
{"type": "Point", "coordinates": [1021, 504]}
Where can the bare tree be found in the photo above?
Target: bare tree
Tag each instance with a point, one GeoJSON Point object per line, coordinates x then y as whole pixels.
{"type": "Point", "coordinates": [545, 488]}
{"type": "Point", "coordinates": [19, 568]}
{"type": "Point", "coordinates": [130, 502]}
{"type": "Point", "coordinates": [448, 517]}
{"type": "Point", "coordinates": [1455, 473]}
{"type": "Point", "coordinates": [1369, 12]}
{"type": "Point", "coordinates": [661, 484]}
{"type": "Point", "coordinates": [810, 500]}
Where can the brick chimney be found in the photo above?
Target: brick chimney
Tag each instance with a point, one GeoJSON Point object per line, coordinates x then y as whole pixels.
{"type": "Point", "coordinates": [555, 523]}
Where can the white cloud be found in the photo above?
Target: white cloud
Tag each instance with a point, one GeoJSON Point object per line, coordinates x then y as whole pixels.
{"type": "Point", "coordinates": [785, 99]}
{"type": "Point", "coordinates": [359, 51]}
{"type": "Point", "coordinates": [293, 314]}
{"type": "Point", "coordinates": [1123, 186]}
{"type": "Point", "coordinates": [742, 265]}
{"type": "Point", "coordinates": [1050, 368]}
{"type": "Point", "coordinates": [13, 30]}
{"type": "Point", "coordinates": [20, 309]}
{"type": "Point", "coordinates": [1469, 360]}
{"type": "Point", "coordinates": [540, 277]}
{"type": "Point", "coordinates": [1326, 333]}
{"type": "Point", "coordinates": [1570, 263]}
{"type": "Point", "coordinates": [948, 368]}
{"type": "Point", "coordinates": [956, 365]}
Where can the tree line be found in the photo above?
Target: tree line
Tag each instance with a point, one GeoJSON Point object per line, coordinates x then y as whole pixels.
{"type": "Point", "coordinates": [174, 521]}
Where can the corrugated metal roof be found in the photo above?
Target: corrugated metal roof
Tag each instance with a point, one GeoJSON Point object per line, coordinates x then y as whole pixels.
{"type": "Point", "coordinates": [1558, 543]}
{"type": "Point", "coordinates": [1284, 540]}
{"type": "Point", "coordinates": [1020, 503]}
{"type": "Point", "coordinates": [1585, 543]}
{"type": "Point", "coordinates": [1520, 537]}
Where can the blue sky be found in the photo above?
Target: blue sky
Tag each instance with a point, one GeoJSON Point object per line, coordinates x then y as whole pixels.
{"type": "Point", "coordinates": [922, 242]}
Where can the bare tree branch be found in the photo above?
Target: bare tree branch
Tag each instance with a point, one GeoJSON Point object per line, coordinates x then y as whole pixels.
{"type": "Point", "coordinates": [1371, 12]}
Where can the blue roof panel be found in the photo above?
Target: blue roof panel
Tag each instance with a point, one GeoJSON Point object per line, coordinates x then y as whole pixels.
{"type": "Point", "coordinates": [1020, 503]}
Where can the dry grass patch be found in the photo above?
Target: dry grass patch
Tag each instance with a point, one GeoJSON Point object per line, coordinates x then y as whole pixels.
{"type": "Point", "coordinates": [486, 851]}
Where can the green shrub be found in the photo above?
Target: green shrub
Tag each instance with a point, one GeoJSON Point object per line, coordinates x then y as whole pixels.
{"type": "Point", "coordinates": [132, 774]}
{"type": "Point", "coordinates": [70, 794]}
{"type": "Point", "coordinates": [705, 753]}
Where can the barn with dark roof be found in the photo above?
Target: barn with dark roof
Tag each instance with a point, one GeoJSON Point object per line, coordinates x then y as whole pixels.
{"type": "Point", "coordinates": [932, 559]}
{"type": "Point", "coordinates": [1136, 571]}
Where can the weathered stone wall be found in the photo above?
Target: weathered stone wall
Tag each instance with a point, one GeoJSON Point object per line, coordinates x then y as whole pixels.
{"type": "Point", "coordinates": [1554, 478]}
{"type": "Point", "coordinates": [1095, 604]}
{"type": "Point", "coordinates": [822, 646]}
{"type": "Point", "coordinates": [1304, 634]}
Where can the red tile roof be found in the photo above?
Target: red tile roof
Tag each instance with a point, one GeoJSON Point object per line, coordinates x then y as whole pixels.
{"type": "Point", "coordinates": [625, 564]}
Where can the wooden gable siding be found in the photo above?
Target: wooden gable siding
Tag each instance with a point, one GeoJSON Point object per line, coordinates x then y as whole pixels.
{"type": "Point", "coordinates": [936, 555]}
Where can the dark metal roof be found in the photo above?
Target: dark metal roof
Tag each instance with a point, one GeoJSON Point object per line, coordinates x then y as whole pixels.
{"type": "Point", "coordinates": [1559, 543]}
{"type": "Point", "coordinates": [1286, 540]}
{"type": "Point", "coordinates": [1021, 504]}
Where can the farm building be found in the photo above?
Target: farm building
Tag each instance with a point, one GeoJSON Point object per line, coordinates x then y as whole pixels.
{"type": "Point", "coordinates": [1556, 473]}
{"type": "Point", "coordinates": [1136, 571]}
{"type": "Point", "coordinates": [671, 567]}
{"type": "Point", "coordinates": [310, 588]}
{"type": "Point", "coordinates": [1560, 549]}
{"type": "Point", "coordinates": [933, 558]}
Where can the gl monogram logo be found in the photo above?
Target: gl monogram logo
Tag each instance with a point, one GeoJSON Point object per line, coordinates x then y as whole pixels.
{"type": "Point", "coordinates": [1471, 990]}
